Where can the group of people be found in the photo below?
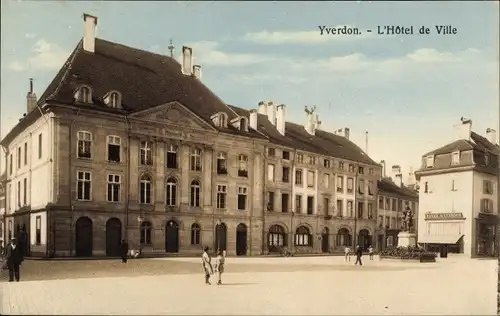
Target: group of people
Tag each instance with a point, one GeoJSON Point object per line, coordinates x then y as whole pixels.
{"type": "Point", "coordinates": [12, 256]}
{"type": "Point", "coordinates": [359, 254]}
{"type": "Point", "coordinates": [209, 268]}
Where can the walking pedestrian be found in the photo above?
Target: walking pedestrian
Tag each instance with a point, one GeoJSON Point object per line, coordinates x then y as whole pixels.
{"type": "Point", "coordinates": [347, 252]}
{"type": "Point", "coordinates": [207, 265]}
{"type": "Point", "coordinates": [359, 253]}
{"type": "Point", "coordinates": [219, 265]}
{"type": "Point", "coordinates": [370, 252]}
{"type": "Point", "coordinates": [124, 250]}
{"type": "Point", "coordinates": [14, 257]}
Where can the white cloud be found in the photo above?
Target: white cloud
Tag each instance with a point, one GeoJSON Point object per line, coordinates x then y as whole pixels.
{"type": "Point", "coordinates": [207, 53]}
{"type": "Point", "coordinates": [321, 35]}
{"type": "Point", "coordinates": [45, 56]}
{"type": "Point", "coordinates": [30, 35]}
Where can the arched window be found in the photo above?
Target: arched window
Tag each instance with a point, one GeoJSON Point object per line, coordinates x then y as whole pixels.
{"type": "Point", "coordinates": [114, 100]}
{"type": "Point", "coordinates": [243, 124]}
{"type": "Point", "coordinates": [146, 186]}
{"type": "Point", "coordinates": [84, 95]}
{"type": "Point", "coordinates": [195, 234]}
{"type": "Point", "coordinates": [145, 233]}
{"type": "Point", "coordinates": [222, 163]}
{"type": "Point", "coordinates": [171, 198]}
{"type": "Point", "coordinates": [303, 236]}
{"type": "Point", "coordinates": [223, 119]}
{"type": "Point", "coordinates": [343, 237]}
{"type": "Point", "coordinates": [196, 159]}
{"type": "Point", "coordinates": [277, 237]}
{"type": "Point", "coordinates": [242, 166]}
{"type": "Point", "coordinates": [195, 193]}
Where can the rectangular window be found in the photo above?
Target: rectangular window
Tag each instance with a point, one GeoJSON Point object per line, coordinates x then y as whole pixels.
{"type": "Point", "coordinates": [84, 145]}
{"type": "Point", "coordinates": [350, 185]}
{"type": "Point", "coordinates": [341, 165]}
{"type": "Point", "coordinates": [38, 237]}
{"type": "Point", "coordinates": [370, 171]}
{"type": "Point", "coordinates": [349, 209]}
{"type": "Point", "coordinates": [487, 187]}
{"type": "Point", "coordinates": [25, 153]}
{"type": "Point", "coordinates": [455, 158]}
{"type": "Point", "coordinates": [361, 209]}
{"type": "Point", "coordinates": [286, 174]}
{"type": "Point", "coordinates": [351, 168]}
{"type": "Point", "coordinates": [242, 198]}
{"type": "Point", "coordinates": [114, 145]}
{"type": "Point", "coordinates": [387, 204]}
{"type": "Point", "coordinates": [400, 205]}
{"type": "Point", "coordinates": [145, 189]}
{"type": "Point", "coordinates": [284, 203]}
{"type": "Point", "coordinates": [222, 163]}
{"type": "Point", "coordinates": [84, 182]}
{"type": "Point", "coordinates": [286, 155]}
{"type": "Point", "coordinates": [340, 184]}
{"type": "Point", "coordinates": [25, 191]}
{"type": "Point", "coordinates": [146, 153]}
{"type": "Point", "coordinates": [361, 186]}
{"type": "Point", "coordinates": [40, 138]}
{"type": "Point", "coordinates": [371, 190]}
{"type": "Point", "coordinates": [326, 180]}
{"type": "Point", "coordinates": [340, 208]}
{"type": "Point", "coordinates": [370, 211]}
{"type": "Point", "coordinates": [310, 178]}
{"type": "Point", "coordinates": [310, 205]}
{"type": "Point", "coordinates": [18, 157]}
{"type": "Point", "coordinates": [361, 170]}
{"type": "Point", "coordinates": [221, 196]}
{"type": "Point", "coordinates": [312, 160]}
{"type": "Point", "coordinates": [429, 162]}
{"type": "Point", "coordinates": [270, 201]}
{"type": "Point", "coordinates": [394, 205]}
{"type": "Point", "coordinates": [172, 157]}
{"type": "Point", "coordinates": [271, 152]}
{"type": "Point", "coordinates": [270, 173]}
{"type": "Point", "coordinates": [113, 188]}
{"type": "Point", "coordinates": [326, 163]}
{"type": "Point", "coordinates": [242, 166]}
{"type": "Point", "coordinates": [298, 204]}
{"type": "Point", "coordinates": [326, 206]}
{"type": "Point", "coordinates": [300, 158]}
{"type": "Point", "coordinates": [196, 159]}
{"type": "Point", "coordinates": [298, 177]}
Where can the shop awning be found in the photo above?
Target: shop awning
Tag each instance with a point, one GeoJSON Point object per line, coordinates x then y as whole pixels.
{"type": "Point", "coordinates": [439, 239]}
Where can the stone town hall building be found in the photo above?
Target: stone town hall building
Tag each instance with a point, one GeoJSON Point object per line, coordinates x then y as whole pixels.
{"type": "Point", "coordinates": [130, 144]}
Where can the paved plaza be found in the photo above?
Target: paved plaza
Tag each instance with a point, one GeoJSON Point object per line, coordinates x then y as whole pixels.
{"type": "Point", "coordinates": [264, 286]}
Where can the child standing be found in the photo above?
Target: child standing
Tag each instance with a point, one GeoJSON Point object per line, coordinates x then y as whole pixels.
{"type": "Point", "coordinates": [207, 265]}
{"type": "Point", "coordinates": [219, 265]}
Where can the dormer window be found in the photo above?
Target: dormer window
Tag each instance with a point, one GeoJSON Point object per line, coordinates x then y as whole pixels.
{"type": "Point", "coordinates": [83, 94]}
{"type": "Point", "coordinates": [455, 158]}
{"type": "Point", "coordinates": [243, 125]}
{"type": "Point", "coordinates": [429, 161]}
{"type": "Point", "coordinates": [113, 99]}
{"type": "Point", "coordinates": [219, 119]}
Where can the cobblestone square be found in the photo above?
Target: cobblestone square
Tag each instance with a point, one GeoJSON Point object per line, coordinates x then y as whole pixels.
{"type": "Point", "coordinates": [265, 286]}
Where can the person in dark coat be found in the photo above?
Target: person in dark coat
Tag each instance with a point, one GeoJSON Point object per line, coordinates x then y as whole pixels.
{"type": "Point", "coordinates": [14, 257]}
{"type": "Point", "coordinates": [359, 253]}
{"type": "Point", "coordinates": [124, 250]}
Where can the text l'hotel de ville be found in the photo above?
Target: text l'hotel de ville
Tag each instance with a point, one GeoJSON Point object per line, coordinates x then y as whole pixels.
{"type": "Point", "coordinates": [390, 30]}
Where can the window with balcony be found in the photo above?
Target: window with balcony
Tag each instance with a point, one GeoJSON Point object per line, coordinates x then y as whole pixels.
{"type": "Point", "coordinates": [114, 145]}
{"type": "Point", "coordinates": [242, 166]}
{"type": "Point", "coordinates": [222, 163]}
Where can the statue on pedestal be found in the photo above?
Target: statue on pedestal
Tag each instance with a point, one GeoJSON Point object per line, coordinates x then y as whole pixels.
{"type": "Point", "coordinates": [407, 221]}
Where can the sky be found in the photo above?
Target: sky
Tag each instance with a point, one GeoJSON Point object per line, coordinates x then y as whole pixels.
{"type": "Point", "coordinates": [407, 91]}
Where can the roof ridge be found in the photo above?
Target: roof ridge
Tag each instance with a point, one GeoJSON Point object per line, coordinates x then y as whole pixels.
{"type": "Point", "coordinates": [67, 65]}
{"type": "Point", "coordinates": [138, 49]}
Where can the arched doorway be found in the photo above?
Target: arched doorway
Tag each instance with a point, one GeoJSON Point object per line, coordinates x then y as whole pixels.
{"type": "Point", "coordinates": [276, 239]}
{"type": "Point", "coordinates": [83, 237]}
{"type": "Point", "coordinates": [241, 240]}
{"type": "Point", "coordinates": [364, 239]}
{"type": "Point", "coordinates": [344, 238]}
{"type": "Point", "coordinates": [113, 237]}
{"type": "Point", "coordinates": [172, 236]}
{"type": "Point", "coordinates": [325, 240]}
{"type": "Point", "coordinates": [220, 237]}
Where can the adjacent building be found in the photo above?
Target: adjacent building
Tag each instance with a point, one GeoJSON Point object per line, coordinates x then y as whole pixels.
{"type": "Point", "coordinates": [2, 208]}
{"type": "Point", "coordinates": [458, 194]}
{"type": "Point", "coordinates": [394, 197]}
{"type": "Point", "coordinates": [130, 144]}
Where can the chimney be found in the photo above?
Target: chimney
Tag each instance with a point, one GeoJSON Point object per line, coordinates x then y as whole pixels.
{"type": "Point", "coordinates": [384, 175]}
{"type": "Point", "coordinates": [187, 60]}
{"type": "Point", "coordinates": [271, 112]}
{"type": "Point", "coordinates": [280, 118]}
{"type": "Point", "coordinates": [411, 178]}
{"type": "Point", "coordinates": [398, 177]}
{"type": "Point", "coordinates": [197, 71]}
{"type": "Point", "coordinates": [310, 123]}
{"type": "Point", "coordinates": [90, 25]}
{"type": "Point", "coordinates": [253, 119]}
{"type": "Point", "coordinates": [263, 107]}
{"type": "Point", "coordinates": [464, 128]}
{"type": "Point", "coordinates": [491, 134]}
{"type": "Point", "coordinates": [346, 132]}
{"type": "Point", "coordinates": [30, 98]}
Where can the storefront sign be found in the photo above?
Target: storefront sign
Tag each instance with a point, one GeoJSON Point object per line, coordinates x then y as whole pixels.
{"type": "Point", "coordinates": [444, 216]}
